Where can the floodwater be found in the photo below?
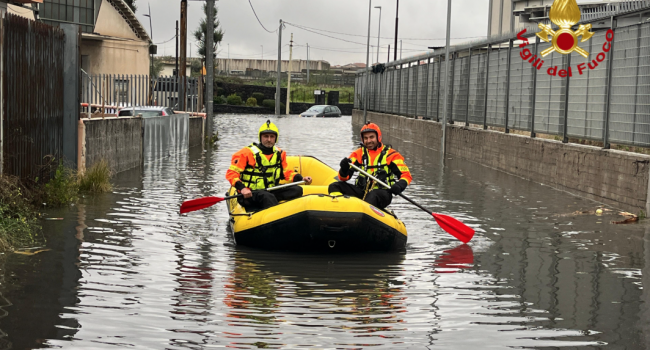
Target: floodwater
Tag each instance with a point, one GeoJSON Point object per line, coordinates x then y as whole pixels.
{"type": "Point", "coordinates": [125, 270]}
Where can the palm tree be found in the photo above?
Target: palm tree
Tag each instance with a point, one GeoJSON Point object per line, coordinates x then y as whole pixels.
{"type": "Point", "coordinates": [200, 32]}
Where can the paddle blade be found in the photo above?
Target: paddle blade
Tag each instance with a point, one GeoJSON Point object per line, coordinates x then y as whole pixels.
{"type": "Point", "coordinates": [199, 203]}
{"type": "Point", "coordinates": [454, 227]}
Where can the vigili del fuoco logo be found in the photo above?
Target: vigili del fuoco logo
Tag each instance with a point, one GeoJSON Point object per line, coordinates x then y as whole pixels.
{"type": "Point", "coordinates": [565, 14]}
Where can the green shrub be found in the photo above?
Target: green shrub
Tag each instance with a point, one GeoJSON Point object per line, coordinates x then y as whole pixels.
{"type": "Point", "coordinates": [258, 96]}
{"type": "Point", "coordinates": [251, 102]}
{"type": "Point", "coordinates": [268, 104]}
{"type": "Point", "coordinates": [220, 91]}
{"type": "Point", "coordinates": [220, 100]}
{"type": "Point", "coordinates": [271, 104]}
{"type": "Point", "coordinates": [18, 218]}
{"type": "Point", "coordinates": [234, 100]}
{"type": "Point", "coordinates": [62, 189]}
{"type": "Point", "coordinates": [97, 179]}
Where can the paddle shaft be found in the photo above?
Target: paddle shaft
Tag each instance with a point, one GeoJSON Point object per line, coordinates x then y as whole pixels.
{"type": "Point", "coordinates": [388, 187]}
{"type": "Point", "coordinates": [271, 188]}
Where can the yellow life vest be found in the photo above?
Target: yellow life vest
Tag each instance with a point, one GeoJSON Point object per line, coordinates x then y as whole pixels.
{"type": "Point", "coordinates": [266, 173]}
{"type": "Point", "coordinates": [379, 169]}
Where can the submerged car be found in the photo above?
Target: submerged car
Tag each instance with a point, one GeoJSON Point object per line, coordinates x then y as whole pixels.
{"type": "Point", "coordinates": [145, 111]}
{"type": "Point", "coordinates": [324, 111]}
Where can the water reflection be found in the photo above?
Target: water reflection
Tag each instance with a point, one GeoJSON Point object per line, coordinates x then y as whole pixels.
{"type": "Point", "coordinates": [308, 300]}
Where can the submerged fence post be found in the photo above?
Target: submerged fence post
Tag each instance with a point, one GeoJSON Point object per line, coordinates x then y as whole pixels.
{"type": "Point", "coordinates": [487, 78]}
{"type": "Point", "coordinates": [507, 104]}
{"type": "Point", "coordinates": [438, 89]}
{"type": "Point", "coordinates": [534, 100]}
{"type": "Point", "coordinates": [426, 91]}
{"type": "Point", "coordinates": [608, 85]}
{"type": "Point", "coordinates": [565, 128]}
{"type": "Point", "coordinates": [450, 93]}
{"type": "Point", "coordinates": [469, 74]}
{"type": "Point", "coordinates": [71, 72]}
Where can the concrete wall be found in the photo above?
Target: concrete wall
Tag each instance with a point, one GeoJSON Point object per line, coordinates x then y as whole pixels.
{"type": "Point", "coordinates": [197, 125]}
{"type": "Point", "coordinates": [127, 143]}
{"type": "Point", "coordinates": [612, 177]}
{"type": "Point", "coordinates": [118, 140]}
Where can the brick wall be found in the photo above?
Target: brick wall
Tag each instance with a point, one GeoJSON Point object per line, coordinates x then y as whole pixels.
{"type": "Point", "coordinates": [613, 177]}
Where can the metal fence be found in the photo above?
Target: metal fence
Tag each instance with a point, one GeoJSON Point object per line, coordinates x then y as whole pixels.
{"type": "Point", "coordinates": [491, 85]}
{"type": "Point", "coordinates": [112, 91]}
{"type": "Point", "coordinates": [32, 93]}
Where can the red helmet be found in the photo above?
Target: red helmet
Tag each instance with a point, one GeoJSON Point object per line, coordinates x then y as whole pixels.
{"type": "Point", "coordinates": [371, 127]}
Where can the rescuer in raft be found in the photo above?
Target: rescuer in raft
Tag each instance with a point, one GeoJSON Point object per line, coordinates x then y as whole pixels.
{"type": "Point", "coordinates": [380, 161]}
{"type": "Point", "coordinates": [261, 166]}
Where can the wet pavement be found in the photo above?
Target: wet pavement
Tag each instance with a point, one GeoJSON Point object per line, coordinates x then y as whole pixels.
{"type": "Point", "coordinates": [125, 270]}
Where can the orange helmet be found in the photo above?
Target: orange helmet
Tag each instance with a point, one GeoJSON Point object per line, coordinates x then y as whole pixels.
{"type": "Point", "coordinates": [371, 127]}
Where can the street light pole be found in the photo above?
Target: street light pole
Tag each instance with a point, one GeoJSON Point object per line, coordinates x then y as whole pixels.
{"type": "Point", "coordinates": [396, 24]}
{"type": "Point", "coordinates": [262, 52]}
{"type": "Point", "coordinates": [365, 88]}
{"type": "Point", "coordinates": [378, 31]}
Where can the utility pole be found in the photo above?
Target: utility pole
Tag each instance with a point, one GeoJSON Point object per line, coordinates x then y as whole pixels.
{"type": "Point", "coordinates": [308, 63]}
{"type": "Point", "coordinates": [396, 26]}
{"type": "Point", "coordinates": [400, 49]}
{"type": "Point", "coordinates": [365, 87]}
{"type": "Point", "coordinates": [209, 59]}
{"type": "Point", "coordinates": [378, 31]}
{"type": "Point", "coordinates": [289, 74]}
{"type": "Point", "coordinates": [183, 67]}
{"type": "Point", "coordinates": [278, 91]}
{"type": "Point", "coordinates": [228, 65]}
{"type": "Point", "coordinates": [388, 58]}
{"type": "Point", "coordinates": [444, 108]}
{"type": "Point", "coordinates": [176, 48]}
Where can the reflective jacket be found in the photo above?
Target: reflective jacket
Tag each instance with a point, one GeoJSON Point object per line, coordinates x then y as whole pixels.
{"type": "Point", "coordinates": [384, 163]}
{"type": "Point", "coordinates": [258, 171]}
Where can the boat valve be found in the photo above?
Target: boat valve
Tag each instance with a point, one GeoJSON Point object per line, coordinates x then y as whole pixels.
{"type": "Point", "coordinates": [331, 243]}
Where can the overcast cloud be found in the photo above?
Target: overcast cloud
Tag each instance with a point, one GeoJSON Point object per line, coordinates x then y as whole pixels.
{"type": "Point", "coordinates": [418, 19]}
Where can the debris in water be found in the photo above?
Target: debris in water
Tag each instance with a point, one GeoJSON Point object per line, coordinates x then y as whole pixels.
{"type": "Point", "coordinates": [31, 253]}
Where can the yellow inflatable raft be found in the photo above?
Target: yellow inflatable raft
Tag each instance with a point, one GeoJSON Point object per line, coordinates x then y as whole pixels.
{"type": "Point", "coordinates": [317, 221]}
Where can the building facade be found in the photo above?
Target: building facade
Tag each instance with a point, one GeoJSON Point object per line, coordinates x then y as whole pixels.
{"type": "Point", "coordinates": [508, 16]}
{"type": "Point", "coordinates": [113, 40]}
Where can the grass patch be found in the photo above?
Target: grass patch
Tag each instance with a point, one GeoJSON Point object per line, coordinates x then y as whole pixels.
{"type": "Point", "coordinates": [97, 179]}
{"type": "Point", "coordinates": [18, 216]}
{"type": "Point", "coordinates": [19, 204]}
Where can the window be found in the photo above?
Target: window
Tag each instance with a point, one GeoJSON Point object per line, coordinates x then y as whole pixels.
{"type": "Point", "coordinates": [80, 12]}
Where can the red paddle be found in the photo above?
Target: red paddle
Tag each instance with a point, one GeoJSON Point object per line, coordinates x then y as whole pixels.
{"type": "Point", "coordinates": [454, 227]}
{"type": "Point", "coordinates": [204, 202]}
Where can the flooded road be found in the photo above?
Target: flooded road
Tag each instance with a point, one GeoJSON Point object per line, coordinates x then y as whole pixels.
{"type": "Point", "coordinates": [125, 270]}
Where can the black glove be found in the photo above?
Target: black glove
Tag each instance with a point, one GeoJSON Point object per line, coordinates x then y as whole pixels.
{"type": "Point", "coordinates": [345, 167]}
{"type": "Point", "coordinates": [398, 187]}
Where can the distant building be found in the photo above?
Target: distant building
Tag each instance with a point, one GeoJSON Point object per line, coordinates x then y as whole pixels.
{"type": "Point", "coordinates": [236, 66]}
{"type": "Point", "coordinates": [113, 41]}
{"type": "Point", "coordinates": [507, 16]}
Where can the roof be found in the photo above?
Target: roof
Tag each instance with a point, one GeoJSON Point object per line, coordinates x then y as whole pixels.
{"type": "Point", "coordinates": [131, 20]}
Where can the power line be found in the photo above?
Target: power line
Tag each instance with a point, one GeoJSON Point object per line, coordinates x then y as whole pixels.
{"type": "Point", "coordinates": [329, 36]}
{"type": "Point", "coordinates": [364, 36]}
{"type": "Point", "coordinates": [258, 19]}
{"type": "Point", "coordinates": [165, 42]}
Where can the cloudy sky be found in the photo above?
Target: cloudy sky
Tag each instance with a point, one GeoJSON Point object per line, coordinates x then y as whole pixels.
{"type": "Point", "coordinates": [421, 24]}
